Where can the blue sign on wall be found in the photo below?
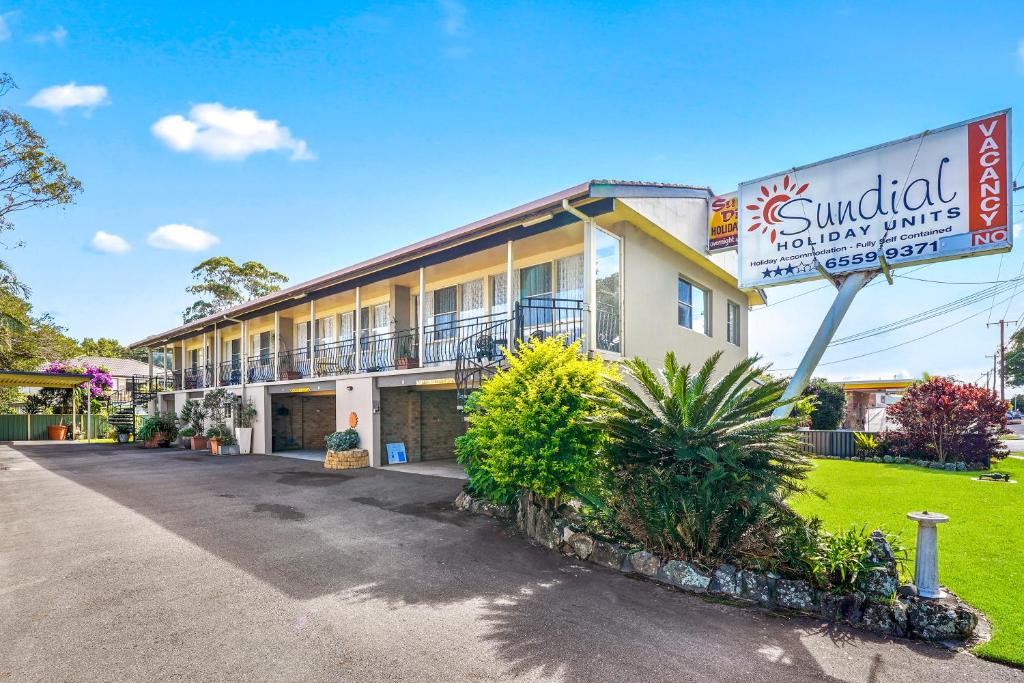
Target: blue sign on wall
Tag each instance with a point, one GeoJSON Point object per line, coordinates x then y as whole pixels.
{"type": "Point", "coordinates": [396, 453]}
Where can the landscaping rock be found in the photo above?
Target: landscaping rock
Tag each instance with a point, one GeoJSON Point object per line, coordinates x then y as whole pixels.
{"type": "Point", "coordinates": [794, 594]}
{"type": "Point", "coordinates": [645, 562]}
{"type": "Point", "coordinates": [463, 501]}
{"type": "Point", "coordinates": [884, 581]}
{"type": "Point", "coordinates": [582, 545]}
{"type": "Point", "coordinates": [725, 581]}
{"type": "Point", "coordinates": [609, 555]}
{"type": "Point", "coordinates": [684, 575]}
{"type": "Point", "coordinates": [940, 620]}
{"type": "Point", "coordinates": [883, 618]}
{"type": "Point", "coordinates": [756, 587]}
{"type": "Point", "coordinates": [545, 531]}
{"type": "Point", "coordinates": [848, 608]}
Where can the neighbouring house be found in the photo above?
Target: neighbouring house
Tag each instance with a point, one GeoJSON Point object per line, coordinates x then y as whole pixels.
{"type": "Point", "coordinates": [126, 374]}
{"type": "Point", "coordinates": [393, 344]}
{"type": "Point", "coordinates": [866, 401]}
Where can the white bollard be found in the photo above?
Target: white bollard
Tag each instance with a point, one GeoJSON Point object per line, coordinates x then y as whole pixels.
{"type": "Point", "coordinates": [926, 563]}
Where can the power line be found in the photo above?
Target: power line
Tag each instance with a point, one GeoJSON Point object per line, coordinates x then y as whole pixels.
{"type": "Point", "coordinates": [922, 316]}
{"type": "Point", "coordinates": [827, 285]}
{"type": "Point", "coordinates": [896, 346]}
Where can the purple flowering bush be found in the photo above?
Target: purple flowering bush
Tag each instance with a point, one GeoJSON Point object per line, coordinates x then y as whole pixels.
{"type": "Point", "coordinates": [61, 400]}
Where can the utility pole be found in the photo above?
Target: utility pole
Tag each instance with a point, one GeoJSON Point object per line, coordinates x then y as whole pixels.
{"type": "Point", "coordinates": [1002, 356]}
{"type": "Point", "coordinates": [991, 373]}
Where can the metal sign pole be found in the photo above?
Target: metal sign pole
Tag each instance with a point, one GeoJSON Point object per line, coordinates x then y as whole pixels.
{"type": "Point", "coordinates": [852, 284]}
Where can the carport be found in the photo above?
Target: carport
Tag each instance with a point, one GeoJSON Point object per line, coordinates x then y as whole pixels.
{"type": "Point", "coordinates": [17, 379]}
{"type": "Point", "coordinates": [425, 418]}
{"type": "Point", "coordinates": [300, 421]}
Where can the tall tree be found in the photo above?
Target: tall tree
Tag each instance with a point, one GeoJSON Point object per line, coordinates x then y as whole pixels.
{"type": "Point", "coordinates": [107, 347]}
{"type": "Point", "coordinates": [224, 283]}
{"type": "Point", "coordinates": [29, 174]}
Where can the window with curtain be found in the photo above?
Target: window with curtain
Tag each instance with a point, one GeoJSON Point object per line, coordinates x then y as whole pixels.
{"type": "Point", "coordinates": [536, 292]}
{"type": "Point", "coordinates": [233, 352]}
{"type": "Point", "coordinates": [693, 307]}
{"type": "Point", "coordinates": [301, 336]}
{"type": "Point", "coordinates": [348, 325]}
{"type": "Point", "coordinates": [499, 293]}
{"type": "Point", "coordinates": [608, 286]}
{"type": "Point", "coordinates": [569, 271]}
{"type": "Point", "coordinates": [325, 330]}
{"type": "Point", "coordinates": [472, 296]}
{"type": "Point", "coordinates": [261, 344]}
{"type": "Point", "coordinates": [381, 319]}
{"type": "Point", "coordinates": [445, 312]}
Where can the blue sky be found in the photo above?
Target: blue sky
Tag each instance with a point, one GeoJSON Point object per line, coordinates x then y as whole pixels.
{"type": "Point", "coordinates": [394, 122]}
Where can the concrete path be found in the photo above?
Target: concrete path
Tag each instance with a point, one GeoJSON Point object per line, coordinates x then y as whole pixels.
{"type": "Point", "coordinates": [121, 564]}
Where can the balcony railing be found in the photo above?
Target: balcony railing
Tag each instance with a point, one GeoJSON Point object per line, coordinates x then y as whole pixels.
{"type": "Point", "coordinates": [260, 368]}
{"type": "Point", "coordinates": [541, 318]}
{"type": "Point", "coordinates": [480, 338]}
{"type": "Point", "coordinates": [229, 372]}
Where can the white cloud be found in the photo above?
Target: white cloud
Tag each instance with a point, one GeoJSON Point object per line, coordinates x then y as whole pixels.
{"type": "Point", "coordinates": [5, 28]}
{"type": "Point", "coordinates": [57, 98]}
{"type": "Point", "coordinates": [181, 238]}
{"type": "Point", "coordinates": [220, 132]}
{"type": "Point", "coordinates": [1020, 53]}
{"type": "Point", "coordinates": [110, 243]}
{"type": "Point", "coordinates": [1016, 230]}
{"type": "Point", "coordinates": [57, 36]}
{"type": "Point", "coordinates": [453, 17]}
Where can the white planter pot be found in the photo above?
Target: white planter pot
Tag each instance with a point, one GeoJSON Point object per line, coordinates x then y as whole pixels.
{"type": "Point", "coordinates": [244, 436]}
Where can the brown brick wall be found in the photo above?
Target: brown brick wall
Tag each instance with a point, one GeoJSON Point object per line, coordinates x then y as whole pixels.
{"type": "Point", "coordinates": [427, 421]}
{"type": "Point", "coordinates": [310, 419]}
{"type": "Point", "coordinates": [400, 420]}
{"type": "Point", "coordinates": [440, 423]}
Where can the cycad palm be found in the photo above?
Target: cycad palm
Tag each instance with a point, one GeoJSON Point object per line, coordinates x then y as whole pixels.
{"type": "Point", "coordinates": [701, 464]}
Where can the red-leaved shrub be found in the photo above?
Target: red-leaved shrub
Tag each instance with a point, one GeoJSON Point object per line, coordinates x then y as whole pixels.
{"type": "Point", "coordinates": [945, 420]}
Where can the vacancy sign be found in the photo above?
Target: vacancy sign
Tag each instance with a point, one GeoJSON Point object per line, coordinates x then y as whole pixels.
{"type": "Point", "coordinates": [723, 220]}
{"type": "Point", "coordinates": [940, 195]}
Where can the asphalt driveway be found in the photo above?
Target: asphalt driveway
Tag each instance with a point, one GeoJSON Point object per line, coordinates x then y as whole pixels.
{"type": "Point", "coordinates": [122, 564]}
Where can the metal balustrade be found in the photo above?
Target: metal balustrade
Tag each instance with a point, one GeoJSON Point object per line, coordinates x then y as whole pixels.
{"type": "Point", "coordinates": [229, 372]}
{"type": "Point", "coordinates": [198, 377]}
{"type": "Point", "coordinates": [259, 369]}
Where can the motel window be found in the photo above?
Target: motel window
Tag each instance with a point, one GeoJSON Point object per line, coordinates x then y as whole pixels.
{"type": "Point", "coordinates": [348, 325]}
{"type": "Point", "coordinates": [732, 323]}
{"type": "Point", "coordinates": [693, 307]}
{"type": "Point", "coordinates": [381, 319]}
{"type": "Point", "coordinates": [325, 330]}
{"type": "Point", "coordinates": [302, 336]}
{"type": "Point", "coordinates": [499, 293]}
{"type": "Point", "coordinates": [233, 352]}
{"type": "Point", "coordinates": [261, 345]}
{"type": "Point", "coordinates": [445, 312]}
{"type": "Point", "coordinates": [472, 296]}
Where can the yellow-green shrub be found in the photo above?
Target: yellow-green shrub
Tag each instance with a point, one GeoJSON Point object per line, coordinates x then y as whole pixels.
{"type": "Point", "coordinates": [531, 427]}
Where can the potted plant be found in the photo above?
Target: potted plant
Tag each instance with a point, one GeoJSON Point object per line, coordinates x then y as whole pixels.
{"type": "Point", "coordinates": [406, 358]}
{"type": "Point", "coordinates": [245, 418]}
{"type": "Point", "coordinates": [213, 435]}
{"type": "Point", "coordinates": [228, 445]}
{"type": "Point", "coordinates": [187, 435]}
{"type": "Point", "coordinates": [343, 451]}
{"type": "Point", "coordinates": [194, 414]}
{"type": "Point", "coordinates": [122, 433]}
{"type": "Point", "coordinates": [158, 430]}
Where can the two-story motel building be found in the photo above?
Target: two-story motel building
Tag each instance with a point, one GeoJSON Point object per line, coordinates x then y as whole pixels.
{"type": "Point", "coordinates": [385, 344]}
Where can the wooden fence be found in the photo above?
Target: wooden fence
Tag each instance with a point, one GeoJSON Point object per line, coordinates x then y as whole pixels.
{"type": "Point", "coordinates": [829, 442]}
{"type": "Point", "coordinates": [16, 427]}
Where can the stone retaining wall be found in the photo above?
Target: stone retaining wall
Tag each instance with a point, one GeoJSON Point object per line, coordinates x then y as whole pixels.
{"type": "Point", "coordinates": [882, 607]}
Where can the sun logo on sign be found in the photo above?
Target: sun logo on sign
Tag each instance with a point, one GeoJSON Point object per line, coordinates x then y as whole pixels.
{"type": "Point", "coordinates": [768, 204]}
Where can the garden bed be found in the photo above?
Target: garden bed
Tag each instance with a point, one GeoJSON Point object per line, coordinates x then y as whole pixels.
{"type": "Point", "coordinates": [899, 460]}
{"type": "Point", "coordinates": [883, 606]}
{"type": "Point", "coordinates": [979, 549]}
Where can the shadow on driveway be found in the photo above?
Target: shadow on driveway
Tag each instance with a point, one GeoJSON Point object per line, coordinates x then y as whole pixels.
{"type": "Point", "coordinates": [395, 538]}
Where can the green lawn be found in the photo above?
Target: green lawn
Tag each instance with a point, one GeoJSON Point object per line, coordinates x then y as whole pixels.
{"type": "Point", "coordinates": [981, 548]}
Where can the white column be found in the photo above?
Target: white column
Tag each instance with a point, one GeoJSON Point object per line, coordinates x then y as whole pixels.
{"type": "Point", "coordinates": [311, 341]}
{"type": "Point", "coordinates": [204, 360]}
{"type": "Point", "coordinates": [359, 331]}
{"type": "Point", "coordinates": [589, 287]}
{"type": "Point", "coordinates": [277, 346]}
{"type": "Point", "coordinates": [244, 344]}
{"type": "Point", "coordinates": [509, 271]}
{"type": "Point", "coordinates": [420, 303]}
{"type": "Point", "coordinates": [216, 355]}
